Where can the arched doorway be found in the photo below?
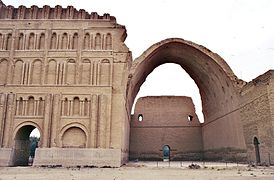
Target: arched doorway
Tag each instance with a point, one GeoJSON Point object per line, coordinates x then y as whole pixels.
{"type": "Point", "coordinates": [25, 143]}
{"type": "Point", "coordinates": [217, 86]}
{"type": "Point", "coordinates": [166, 153]}
{"type": "Point", "coordinates": [257, 150]}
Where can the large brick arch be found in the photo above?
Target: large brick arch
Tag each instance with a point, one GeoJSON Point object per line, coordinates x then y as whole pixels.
{"type": "Point", "coordinates": [21, 146]}
{"type": "Point", "coordinates": [27, 123]}
{"type": "Point", "coordinates": [217, 84]}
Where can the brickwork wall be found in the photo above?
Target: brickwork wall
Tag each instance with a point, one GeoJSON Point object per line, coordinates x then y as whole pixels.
{"type": "Point", "coordinates": [257, 117]}
{"type": "Point", "coordinates": [165, 122]}
{"type": "Point", "coordinates": [271, 104]}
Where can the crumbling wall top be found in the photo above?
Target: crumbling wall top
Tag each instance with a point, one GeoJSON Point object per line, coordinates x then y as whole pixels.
{"type": "Point", "coordinates": [263, 79]}
{"type": "Point", "coordinates": [47, 12]}
{"type": "Point", "coordinates": [2, 4]}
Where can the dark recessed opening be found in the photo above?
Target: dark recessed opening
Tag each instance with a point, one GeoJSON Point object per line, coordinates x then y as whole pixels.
{"type": "Point", "coordinates": [189, 118]}
{"type": "Point", "coordinates": [140, 117]}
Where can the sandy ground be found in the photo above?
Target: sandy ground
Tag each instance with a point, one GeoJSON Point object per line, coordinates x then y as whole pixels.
{"type": "Point", "coordinates": [144, 171]}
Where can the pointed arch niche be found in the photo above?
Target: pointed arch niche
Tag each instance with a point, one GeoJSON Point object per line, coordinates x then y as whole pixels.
{"type": "Point", "coordinates": [86, 72]}
{"type": "Point", "coordinates": [105, 75]}
{"type": "Point", "coordinates": [86, 44]}
{"type": "Point", "coordinates": [31, 42]}
{"type": "Point", "coordinates": [8, 41]}
{"type": "Point", "coordinates": [108, 42]}
{"type": "Point", "coordinates": [18, 72]}
{"type": "Point", "coordinates": [75, 41]}
{"type": "Point", "coordinates": [4, 64]}
{"type": "Point", "coordinates": [20, 43]}
{"type": "Point", "coordinates": [98, 42]}
{"type": "Point", "coordinates": [53, 41]}
{"type": "Point", "coordinates": [52, 72]}
{"type": "Point", "coordinates": [71, 72]}
{"type": "Point", "coordinates": [36, 75]}
{"type": "Point", "coordinates": [64, 41]}
{"type": "Point", "coordinates": [41, 43]}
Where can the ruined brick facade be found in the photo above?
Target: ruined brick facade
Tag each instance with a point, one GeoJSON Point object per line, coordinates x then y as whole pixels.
{"type": "Point", "coordinates": [69, 74]}
{"type": "Point", "coordinates": [63, 78]}
{"type": "Point", "coordinates": [257, 115]}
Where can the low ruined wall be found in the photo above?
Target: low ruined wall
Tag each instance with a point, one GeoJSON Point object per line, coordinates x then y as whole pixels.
{"type": "Point", "coordinates": [6, 156]}
{"type": "Point", "coordinates": [67, 157]}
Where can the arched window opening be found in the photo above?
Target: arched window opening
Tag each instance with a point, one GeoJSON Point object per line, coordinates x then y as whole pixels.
{"type": "Point", "coordinates": [87, 41]}
{"type": "Point", "coordinates": [64, 43]}
{"type": "Point", "coordinates": [41, 44]}
{"type": "Point", "coordinates": [40, 107]}
{"type": "Point", "coordinates": [140, 117]}
{"type": "Point", "coordinates": [75, 41]}
{"type": "Point", "coordinates": [31, 108]}
{"type": "Point", "coordinates": [189, 118]}
{"type": "Point", "coordinates": [20, 106]}
{"type": "Point", "coordinates": [86, 107]}
{"type": "Point", "coordinates": [31, 41]}
{"type": "Point", "coordinates": [8, 42]}
{"type": "Point", "coordinates": [65, 111]}
{"type": "Point", "coordinates": [20, 45]}
{"type": "Point", "coordinates": [27, 140]}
